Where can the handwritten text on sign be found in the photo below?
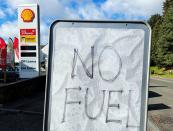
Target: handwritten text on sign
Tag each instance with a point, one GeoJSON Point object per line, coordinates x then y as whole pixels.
{"type": "Point", "coordinates": [97, 76]}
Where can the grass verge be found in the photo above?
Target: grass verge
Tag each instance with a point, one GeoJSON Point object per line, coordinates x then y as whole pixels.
{"type": "Point", "coordinates": [161, 72]}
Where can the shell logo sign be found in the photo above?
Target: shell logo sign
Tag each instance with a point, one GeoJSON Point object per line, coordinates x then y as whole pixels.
{"type": "Point", "coordinates": [27, 15]}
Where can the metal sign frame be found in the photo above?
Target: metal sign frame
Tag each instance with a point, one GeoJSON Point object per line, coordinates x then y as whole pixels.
{"type": "Point", "coordinates": [117, 24]}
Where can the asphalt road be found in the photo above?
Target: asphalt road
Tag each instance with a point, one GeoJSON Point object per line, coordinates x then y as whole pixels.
{"type": "Point", "coordinates": [23, 115]}
{"type": "Point", "coordinates": [161, 103]}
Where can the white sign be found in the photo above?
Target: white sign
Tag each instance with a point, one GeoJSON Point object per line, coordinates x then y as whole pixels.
{"type": "Point", "coordinates": [98, 76]}
{"type": "Point", "coordinates": [29, 44]}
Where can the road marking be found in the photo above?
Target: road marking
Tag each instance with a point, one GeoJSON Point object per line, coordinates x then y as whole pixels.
{"type": "Point", "coordinates": [21, 111]}
{"type": "Point", "coordinates": [162, 80]}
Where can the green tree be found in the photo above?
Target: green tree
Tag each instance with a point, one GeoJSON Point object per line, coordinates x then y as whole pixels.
{"type": "Point", "coordinates": [164, 53]}
{"type": "Point", "coordinates": [155, 22]}
{"type": "Point", "coordinates": [166, 5]}
{"type": "Point", "coordinates": [154, 19]}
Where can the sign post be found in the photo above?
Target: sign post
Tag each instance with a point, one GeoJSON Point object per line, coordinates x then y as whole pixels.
{"type": "Point", "coordinates": [97, 76]}
{"type": "Point", "coordinates": [29, 40]}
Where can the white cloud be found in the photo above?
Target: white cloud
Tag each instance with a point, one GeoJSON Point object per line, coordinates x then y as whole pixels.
{"type": "Point", "coordinates": [2, 14]}
{"type": "Point", "coordinates": [9, 29]}
{"type": "Point", "coordinates": [133, 8]}
{"type": "Point", "coordinates": [59, 9]}
{"type": "Point", "coordinates": [14, 3]}
{"type": "Point", "coordinates": [10, 11]}
{"type": "Point", "coordinates": [44, 29]}
{"type": "Point", "coordinates": [51, 10]}
{"type": "Point", "coordinates": [91, 11]}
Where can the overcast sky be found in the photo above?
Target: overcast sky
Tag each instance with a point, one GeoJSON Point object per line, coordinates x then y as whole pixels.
{"type": "Point", "coordinates": [76, 9]}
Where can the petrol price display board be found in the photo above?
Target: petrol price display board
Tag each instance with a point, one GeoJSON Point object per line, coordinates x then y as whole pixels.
{"type": "Point", "coordinates": [29, 40]}
{"type": "Point", "coordinates": [97, 76]}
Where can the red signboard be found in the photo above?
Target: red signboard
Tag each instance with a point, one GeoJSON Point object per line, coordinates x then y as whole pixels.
{"type": "Point", "coordinates": [16, 47]}
{"type": "Point", "coordinates": [3, 53]}
{"type": "Point", "coordinates": [27, 31]}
